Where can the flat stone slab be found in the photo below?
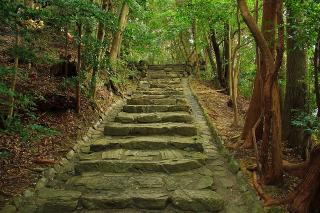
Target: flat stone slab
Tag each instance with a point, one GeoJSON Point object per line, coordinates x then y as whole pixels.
{"type": "Point", "coordinates": [163, 75]}
{"type": "Point", "coordinates": [137, 198]}
{"type": "Point", "coordinates": [167, 80]}
{"type": "Point", "coordinates": [132, 181]}
{"type": "Point", "coordinates": [148, 142]}
{"type": "Point", "coordinates": [165, 86]}
{"type": "Point", "coordinates": [57, 200]}
{"type": "Point", "coordinates": [156, 108]}
{"type": "Point", "coordinates": [120, 129]}
{"type": "Point", "coordinates": [197, 200]}
{"type": "Point", "coordinates": [157, 101]}
{"type": "Point", "coordinates": [143, 155]}
{"type": "Point", "coordinates": [158, 92]}
{"type": "Point", "coordinates": [121, 166]}
{"type": "Point", "coordinates": [159, 117]}
{"type": "Point", "coordinates": [155, 96]}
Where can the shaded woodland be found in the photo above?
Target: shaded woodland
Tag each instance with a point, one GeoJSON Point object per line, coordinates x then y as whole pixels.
{"type": "Point", "coordinates": [62, 62]}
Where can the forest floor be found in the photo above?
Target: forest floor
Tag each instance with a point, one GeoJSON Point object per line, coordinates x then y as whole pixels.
{"type": "Point", "coordinates": [216, 104]}
{"type": "Point", "coordinates": [22, 161]}
{"type": "Point", "coordinates": [25, 160]}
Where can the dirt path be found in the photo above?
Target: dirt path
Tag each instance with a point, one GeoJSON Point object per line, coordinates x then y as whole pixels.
{"type": "Point", "coordinates": [156, 155]}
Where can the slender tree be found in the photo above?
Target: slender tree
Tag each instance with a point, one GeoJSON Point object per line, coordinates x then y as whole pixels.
{"type": "Point", "coordinates": [271, 62]}
{"type": "Point", "coordinates": [116, 43]}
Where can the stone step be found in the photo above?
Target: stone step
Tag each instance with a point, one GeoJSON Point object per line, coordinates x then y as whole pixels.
{"type": "Point", "coordinates": [119, 129]}
{"type": "Point", "coordinates": [149, 85]}
{"type": "Point", "coordinates": [53, 200]}
{"type": "Point", "coordinates": [156, 96]}
{"type": "Point", "coordinates": [167, 89]}
{"type": "Point", "coordinates": [148, 142]}
{"type": "Point", "coordinates": [159, 117]}
{"type": "Point", "coordinates": [167, 81]}
{"type": "Point", "coordinates": [164, 75]}
{"type": "Point", "coordinates": [170, 67]}
{"type": "Point", "coordinates": [187, 200]}
{"type": "Point", "coordinates": [123, 166]}
{"type": "Point", "coordinates": [165, 86]}
{"type": "Point", "coordinates": [197, 179]}
{"type": "Point", "coordinates": [59, 200]}
{"type": "Point", "coordinates": [159, 92]}
{"type": "Point", "coordinates": [163, 101]}
{"type": "Point", "coordinates": [141, 199]}
{"type": "Point", "coordinates": [156, 108]}
{"type": "Point", "coordinates": [142, 155]}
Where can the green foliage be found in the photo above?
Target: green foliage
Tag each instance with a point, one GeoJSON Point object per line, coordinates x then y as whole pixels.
{"type": "Point", "coordinates": [27, 132]}
{"type": "Point", "coordinates": [309, 122]}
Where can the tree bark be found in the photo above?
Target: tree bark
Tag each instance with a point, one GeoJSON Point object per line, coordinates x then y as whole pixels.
{"type": "Point", "coordinates": [14, 77]}
{"type": "Point", "coordinates": [226, 55]}
{"type": "Point", "coordinates": [265, 39]}
{"type": "Point", "coordinates": [256, 103]}
{"type": "Point", "coordinates": [307, 195]}
{"type": "Point", "coordinates": [217, 53]}
{"type": "Point", "coordinates": [316, 67]}
{"type": "Point", "coordinates": [195, 46]}
{"type": "Point", "coordinates": [212, 62]}
{"type": "Point", "coordinates": [78, 88]}
{"type": "Point", "coordinates": [123, 18]}
{"type": "Point", "coordinates": [100, 39]}
{"type": "Point", "coordinates": [296, 88]}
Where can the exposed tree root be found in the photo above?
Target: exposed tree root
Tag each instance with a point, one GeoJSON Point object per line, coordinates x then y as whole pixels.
{"type": "Point", "coordinates": [248, 143]}
{"type": "Point", "coordinates": [44, 161]}
{"type": "Point", "coordinates": [295, 169]}
{"type": "Point", "coordinates": [259, 189]}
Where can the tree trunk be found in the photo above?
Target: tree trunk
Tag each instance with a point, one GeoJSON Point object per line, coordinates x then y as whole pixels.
{"type": "Point", "coordinates": [253, 114]}
{"type": "Point", "coordinates": [217, 53]}
{"type": "Point", "coordinates": [212, 62]}
{"type": "Point", "coordinates": [186, 47]}
{"type": "Point", "coordinates": [66, 44]}
{"type": "Point", "coordinates": [100, 39]}
{"type": "Point", "coordinates": [307, 196]}
{"type": "Point", "coordinates": [276, 146]}
{"type": "Point", "coordinates": [195, 46]}
{"type": "Point", "coordinates": [14, 77]}
{"type": "Point", "coordinates": [316, 64]}
{"type": "Point", "coordinates": [265, 39]}
{"type": "Point", "coordinates": [226, 55]}
{"type": "Point", "coordinates": [255, 106]}
{"type": "Point", "coordinates": [296, 88]}
{"type": "Point", "coordinates": [78, 88]}
{"type": "Point", "coordinates": [123, 18]}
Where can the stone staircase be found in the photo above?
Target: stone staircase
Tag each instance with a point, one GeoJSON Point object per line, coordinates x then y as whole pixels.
{"type": "Point", "coordinates": [154, 157]}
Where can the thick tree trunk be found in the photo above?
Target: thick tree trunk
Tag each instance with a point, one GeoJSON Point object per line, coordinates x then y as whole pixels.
{"type": "Point", "coordinates": [217, 53]}
{"type": "Point", "coordinates": [123, 18]}
{"type": "Point", "coordinates": [296, 88]}
{"type": "Point", "coordinates": [307, 196]}
{"type": "Point", "coordinates": [276, 146]}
